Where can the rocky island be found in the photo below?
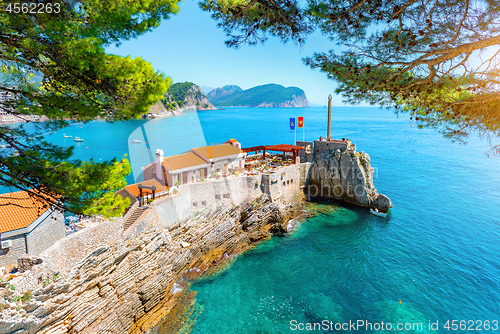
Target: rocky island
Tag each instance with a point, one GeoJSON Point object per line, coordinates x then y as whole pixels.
{"type": "Point", "coordinates": [271, 95]}
{"type": "Point", "coordinates": [180, 97]}
{"type": "Point", "coordinates": [109, 278]}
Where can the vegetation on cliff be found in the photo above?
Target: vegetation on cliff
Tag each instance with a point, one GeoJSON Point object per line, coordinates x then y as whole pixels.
{"type": "Point", "coordinates": [60, 69]}
{"type": "Point", "coordinates": [435, 60]}
{"type": "Point", "coordinates": [265, 95]}
{"type": "Point", "coordinates": [186, 94]}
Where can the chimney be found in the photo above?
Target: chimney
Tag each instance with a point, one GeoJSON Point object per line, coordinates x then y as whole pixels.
{"type": "Point", "coordinates": [159, 160]}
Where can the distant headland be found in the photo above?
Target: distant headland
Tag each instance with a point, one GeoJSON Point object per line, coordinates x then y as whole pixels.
{"type": "Point", "coordinates": [180, 97]}
{"type": "Point", "coordinates": [270, 95]}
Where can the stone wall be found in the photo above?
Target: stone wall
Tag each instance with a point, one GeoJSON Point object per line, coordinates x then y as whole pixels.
{"type": "Point", "coordinates": [283, 185]}
{"type": "Point", "coordinates": [35, 238]}
{"type": "Point", "coordinates": [322, 146]}
{"type": "Point", "coordinates": [125, 285]}
{"type": "Point", "coordinates": [46, 233]}
{"type": "Point", "coordinates": [9, 256]}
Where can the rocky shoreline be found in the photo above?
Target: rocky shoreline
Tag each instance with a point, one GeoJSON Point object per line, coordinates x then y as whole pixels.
{"type": "Point", "coordinates": [127, 287]}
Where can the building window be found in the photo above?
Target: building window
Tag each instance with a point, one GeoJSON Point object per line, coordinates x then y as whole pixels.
{"type": "Point", "coordinates": [203, 203]}
{"type": "Point", "coordinates": [288, 182]}
{"type": "Point", "coordinates": [225, 195]}
{"type": "Point", "coordinates": [195, 204]}
{"type": "Point", "coordinates": [291, 181]}
{"type": "Point", "coordinates": [283, 182]}
{"type": "Point", "coordinates": [217, 196]}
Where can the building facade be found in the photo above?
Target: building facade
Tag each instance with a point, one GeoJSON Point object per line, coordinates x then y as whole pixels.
{"type": "Point", "coordinates": [196, 164]}
{"type": "Point", "coordinates": [26, 227]}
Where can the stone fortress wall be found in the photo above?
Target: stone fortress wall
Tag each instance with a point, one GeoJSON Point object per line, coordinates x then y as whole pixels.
{"type": "Point", "coordinates": [38, 236]}
{"type": "Point", "coordinates": [111, 281]}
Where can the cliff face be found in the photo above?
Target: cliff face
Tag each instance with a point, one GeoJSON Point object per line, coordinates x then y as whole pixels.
{"type": "Point", "coordinates": [338, 171]}
{"type": "Point", "coordinates": [127, 287]}
{"type": "Point", "coordinates": [186, 96]}
{"type": "Point", "coordinates": [299, 101]}
{"type": "Point", "coordinates": [158, 110]}
{"type": "Point", "coordinates": [196, 100]}
{"type": "Point", "coordinates": [189, 97]}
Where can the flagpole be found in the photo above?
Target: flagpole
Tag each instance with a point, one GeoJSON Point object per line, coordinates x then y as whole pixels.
{"type": "Point", "coordinates": [295, 135]}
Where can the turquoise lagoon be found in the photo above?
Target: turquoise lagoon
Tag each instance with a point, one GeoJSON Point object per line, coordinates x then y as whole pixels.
{"type": "Point", "coordinates": [435, 258]}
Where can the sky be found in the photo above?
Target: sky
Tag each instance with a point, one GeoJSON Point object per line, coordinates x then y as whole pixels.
{"type": "Point", "coordinates": [189, 47]}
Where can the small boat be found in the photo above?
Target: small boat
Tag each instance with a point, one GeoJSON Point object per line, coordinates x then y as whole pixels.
{"type": "Point", "coordinates": [78, 139]}
{"type": "Point", "coordinates": [136, 141]}
{"type": "Point", "coordinates": [378, 213]}
{"type": "Point", "coordinates": [67, 136]}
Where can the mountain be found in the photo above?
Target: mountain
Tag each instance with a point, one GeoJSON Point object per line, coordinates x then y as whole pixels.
{"type": "Point", "coordinates": [180, 97]}
{"type": "Point", "coordinates": [218, 95]}
{"type": "Point", "coordinates": [270, 95]}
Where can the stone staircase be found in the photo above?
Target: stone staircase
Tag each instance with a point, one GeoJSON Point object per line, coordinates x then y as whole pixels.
{"type": "Point", "coordinates": [133, 216]}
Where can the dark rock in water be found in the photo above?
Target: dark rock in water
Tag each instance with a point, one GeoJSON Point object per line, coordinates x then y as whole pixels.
{"type": "Point", "coordinates": [382, 203]}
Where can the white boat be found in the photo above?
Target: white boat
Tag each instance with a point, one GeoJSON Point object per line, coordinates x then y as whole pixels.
{"type": "Point", "coordinates": [78, 139]}
{"type": "Point", "coordinates": [136, 141]}
{"type": "Point", "coordinates": [378, 213]}
{"type": "Point", "coordinates": [67, 136]}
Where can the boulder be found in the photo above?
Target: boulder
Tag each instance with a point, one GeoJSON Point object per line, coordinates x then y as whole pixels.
{"type": "Point", "coordinates": [27, 261]}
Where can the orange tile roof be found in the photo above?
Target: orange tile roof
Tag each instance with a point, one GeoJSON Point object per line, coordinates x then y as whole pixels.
{"type": "Point", "coordinates": [18, 210]}
{"type": "Point", "coordinates": [184, 160]}
{"type": "Point", "coordinates": [216, 151]}
{"type": "Point", "coordinates": [134, 189]}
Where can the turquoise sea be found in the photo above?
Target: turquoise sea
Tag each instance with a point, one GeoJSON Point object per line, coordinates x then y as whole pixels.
{"type": "Point", "coordinates": [435, 258]}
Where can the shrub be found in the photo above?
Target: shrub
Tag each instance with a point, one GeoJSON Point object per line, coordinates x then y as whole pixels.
{"type": "Point", "coordinates": [202, 180]}
{"type": "Point", "coordinates": [26, 296]}
{"type": "Point", "coordinates": [177, 183]}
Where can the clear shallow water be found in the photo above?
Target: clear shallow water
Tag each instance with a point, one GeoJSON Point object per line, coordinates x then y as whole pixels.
{"type": "Point", "coordinates": [437, 252]}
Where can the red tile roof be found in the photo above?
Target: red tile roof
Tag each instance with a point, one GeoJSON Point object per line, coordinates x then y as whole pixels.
{"type": "Point", "coordinates": [18, 210]}
{"type": "Point", "coordinates": [181, 161]}
{"type": "Point", "coordinates": [216, 151]}
{"type": "Point", "coordinates": [134, 189]}
{"type": "Point", "coordinates": [280, 148]}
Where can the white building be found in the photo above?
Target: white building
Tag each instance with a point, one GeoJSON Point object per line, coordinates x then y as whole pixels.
{"type": "Point", "coordinates": [198, 163]}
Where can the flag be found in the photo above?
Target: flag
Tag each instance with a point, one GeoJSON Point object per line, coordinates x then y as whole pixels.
{"type": "Point", "coordinates": [292, 123]}
{"type": "Point", "coordinates": [300, 123]}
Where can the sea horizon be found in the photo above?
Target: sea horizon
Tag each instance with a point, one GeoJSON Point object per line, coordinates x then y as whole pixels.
{"type": "Point", "coordinates": [427, 262]}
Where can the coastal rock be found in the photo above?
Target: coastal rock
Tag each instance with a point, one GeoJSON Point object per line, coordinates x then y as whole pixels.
{"type": "Point", "coordinates": [127, 286]}
{"type": "Point", "coordinates": [158, 110]}
{"type": "Point", "coordinates": [196, 100]}
{"type": "Point", "coordinates": [345, 175]}
{"type": "Point", "coordinates": [27, 261]}
{"type": "Point", "coordinates": [188, 97]}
